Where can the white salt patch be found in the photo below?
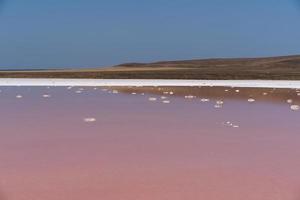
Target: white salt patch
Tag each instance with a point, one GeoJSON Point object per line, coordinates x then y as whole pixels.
{"type": "Point", "coordinates": [78, 92]}
{"type": "Point", "coordinates": [166, 101]}
{"type": "Point", "coordinates": [295, 107]}
{"type": "Point", "coordinates": [265, 94]}
{"type": "Point", "coordinates": [237, 91]}
{"type": "Point", "coordinates": [219, 102]}
{"type": "Point", "coordinates": [152, 99]}
{"type": "Point", "coordinates": [133, 93]}
{"type": "Point", "coordinates": [171, 93]}
{"type": "Point", "coordinates": [218, 106]}
{"type": "Point", "coordinates": [115, 91]}
{"type": "Point", "coordinates": [189, 97]}
{"type": "Point", "coordinates": [19, 96]}
{"type": "Point", "coordinates": [289, 101]}
{"type": "Point", "coordinates": [163, 97]}
{"type": "Point", "coordinates": [46, 96]}
{"type": "Point", "coordinates": [204, 100]}
{"type": "Point", "coordinates": [230, 124]}
{"type": "Point", "coordinates": [251, 100]}
{"type": "Point", "coordinates": [89, 120]}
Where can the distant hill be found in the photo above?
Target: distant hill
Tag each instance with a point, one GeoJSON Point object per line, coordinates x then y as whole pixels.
{"type": "Point", "coordinates": [268, 62]}
{"type": "Point", "coordinates": [272, 68]}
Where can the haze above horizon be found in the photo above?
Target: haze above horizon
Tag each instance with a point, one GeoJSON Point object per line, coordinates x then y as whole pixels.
{"type": "Point", "coordinates": [63, 33]}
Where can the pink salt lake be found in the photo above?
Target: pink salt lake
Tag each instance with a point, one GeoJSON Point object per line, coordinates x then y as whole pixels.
{"type": "Point", "coordinates": [115, 144]}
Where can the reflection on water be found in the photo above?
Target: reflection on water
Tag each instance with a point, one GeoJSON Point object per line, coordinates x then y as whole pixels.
{"type": "Point", "coordinates": [149, 143]}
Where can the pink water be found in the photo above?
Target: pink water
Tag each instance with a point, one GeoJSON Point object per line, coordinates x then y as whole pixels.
{"type": "Point", "coordinates": [149, 150]}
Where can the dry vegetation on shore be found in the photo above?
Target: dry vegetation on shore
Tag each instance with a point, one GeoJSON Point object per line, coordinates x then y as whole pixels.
{"type": "Point", "coordinates": [272, 68]}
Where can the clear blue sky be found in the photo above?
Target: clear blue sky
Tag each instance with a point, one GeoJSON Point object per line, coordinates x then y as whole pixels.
{"type": "Point", "coordinates": [88, 33]}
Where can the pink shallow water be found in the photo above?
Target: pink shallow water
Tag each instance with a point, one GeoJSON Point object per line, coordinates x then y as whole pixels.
{"type": "Point", "coordinates": [137, 149]}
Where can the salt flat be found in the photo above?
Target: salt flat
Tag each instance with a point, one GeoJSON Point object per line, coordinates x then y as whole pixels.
{"type": "Point", "coordinates": [149, 82]}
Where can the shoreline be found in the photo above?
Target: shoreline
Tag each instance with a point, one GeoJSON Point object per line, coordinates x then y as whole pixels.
{"type": "Point", "coordinates": [150, 82]}
{"type": "Point", "coordinates": [262, 68]}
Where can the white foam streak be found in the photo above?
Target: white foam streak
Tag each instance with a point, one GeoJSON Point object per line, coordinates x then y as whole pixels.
{"type": "Point", "coordinates": [153, 82]}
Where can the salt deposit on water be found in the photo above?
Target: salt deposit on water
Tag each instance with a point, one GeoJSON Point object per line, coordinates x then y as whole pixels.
{"type": "Point", "coordinates": [230, 124]}
{"type": "Point", "coordinates": [295, 107]}
{"type": "Point", "coordinates": [152, 99]}
{"type": "Point", "coordinates": [251, 100]}
{"type": "Point", "coordinates": [189, 97]}
{"type": "Point", "coordinates": [289, 101]}
{"type": "Point", "coordinates": [89, 120]}
{"type": "Point", "coordinates": [220, 102]}
{"type": "Point", "coordinates": [204, 100]}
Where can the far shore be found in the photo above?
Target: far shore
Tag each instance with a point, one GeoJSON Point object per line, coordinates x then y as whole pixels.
{"type": "Point", "coordinates": [269, 68]}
